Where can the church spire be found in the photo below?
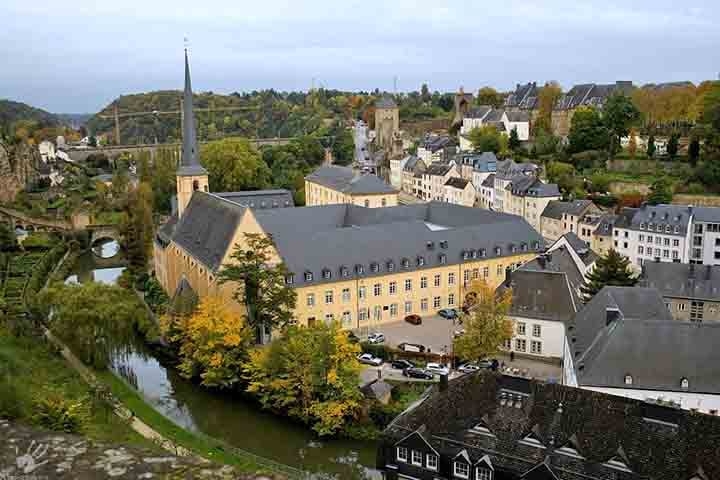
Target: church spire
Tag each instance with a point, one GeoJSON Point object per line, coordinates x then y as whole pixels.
{"type": "Point", "coordinates": [189, 163]}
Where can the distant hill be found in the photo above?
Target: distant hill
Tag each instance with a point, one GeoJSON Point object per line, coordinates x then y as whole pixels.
{"type": "Point", "coordinates": [11, 112]}
{"type": "Point", "coordinates": [75, 120]}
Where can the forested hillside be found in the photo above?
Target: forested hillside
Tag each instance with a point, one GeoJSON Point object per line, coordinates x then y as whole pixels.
{"type": "Point", "coordinates": [12, 112]}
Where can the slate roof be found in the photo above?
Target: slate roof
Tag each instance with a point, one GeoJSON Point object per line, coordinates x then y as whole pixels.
{"type": "Point", "coordinates": [680, 280]}
{"type": "Point", "coordinates": [377, 389]}
{"type": "Point", "coordinates": [591, 94]}
{"type": "Point", "coordinates": [557, 208]}
{"type": "Point", "coordinates": [345, 179]}
{"type": "Point", "coordinates": [412, 163]}
{"type": "Point", "coordinates": [581, 248]}
{"type": "Point", "coordinates": [165, 232]}
{"type": "Point", "coordinates": [341, 237]}
{"type": "Point", "coordinates": [494, 115]}
{"type": "Point", "coordinates": [433, 143]}
{"type": "Point", "coordinates": [517, 116]}
{"type": "Point", "coordinates": [655, 442]}
{"type": "Point", "coordinates": [385, 101]}
{"type": "Point", "coordinates": [489, 181]}
{"type": "Point", "coordinates": [436, 168]}
{"type": "Point", "coordinates": [478, 112]}
{"type": "Point", "coordinates": [280, 198]}
{"type": "Point", "coordinates": [456, 182]}
{"type": "Point", "coordinates": [524, 96]}
{"type": "Point", "coordinates": [660, 215]}
{"type": "Point", "coordinates": [207, 227]}
{"type": "Point", "coordinates": [531, 186]}
{"type": "Point", "coordinates": [509, 169]}
{"type": "Point", "coordinates": [547, 287]}
{"type": "Point", "coordinates": [707, 214]}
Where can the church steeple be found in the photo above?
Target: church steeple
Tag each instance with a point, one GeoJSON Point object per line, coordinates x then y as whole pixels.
{"type": "Point", "coordinates": [191, 175]}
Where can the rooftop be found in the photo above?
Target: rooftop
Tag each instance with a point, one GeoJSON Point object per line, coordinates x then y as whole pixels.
{"type": "Point", "coordinates": [385, 101]}
{"type": "Point", "coordinates": [440, 169]}
{"type": "Point", "coordinates": [557, 208]}
{"type": "Point", "coordinates": [680, 280]}
{"type": "Point", "coordinates": [347, 180]}
{"type": "Point", "coordinates": [456, 182]}
{"type": "Point", "coordinates": [260, 198]}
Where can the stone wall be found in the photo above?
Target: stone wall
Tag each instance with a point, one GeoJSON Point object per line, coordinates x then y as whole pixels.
{"type": "Point", "coordinates": [697, 200]}
{"type": "Point", "coordinates": [18, 167]}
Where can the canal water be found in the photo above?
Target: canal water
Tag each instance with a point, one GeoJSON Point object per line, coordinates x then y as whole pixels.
{"type": "Point", "coordinates": [235, 421]}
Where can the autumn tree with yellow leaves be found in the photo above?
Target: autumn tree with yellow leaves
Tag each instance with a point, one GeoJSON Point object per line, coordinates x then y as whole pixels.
{"type": "Point", "coordinates": [310, 374]}
{"type": "Point", "coordinates": [487, 325]}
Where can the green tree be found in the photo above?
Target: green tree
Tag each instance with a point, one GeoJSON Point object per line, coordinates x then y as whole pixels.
{"type": "Point", "coordinates": [233, 165]}
{"type": "Point", "coordinates": [425, 96]}
{"type": "Point", "coordinates": [120, 183]}
{"type": "Point", "coordinates": [587, 131]}
{"type": "Point", "coordinates": [514, 140]}
{"type": "Point", "coordinates": [260, 284]}
{"type": "Point", "coordinates": [619, 114]}
{"type": "Point", "coordinates": [547, 99]}
{"type": "Point", "coordinates": [487, 326]}
{"type": "Point", "coordinates": [137, 227]}
{"type": "Point", "coordinates": [97, 321]}
{"type": "Point", "coordinates": [310, 374]}
{"type": "Point", "coordinates": [694, 150]}
{"type": "Point", "coordinates": [651, 148]}
{"type": "Point", "coordinates": [7, 238]}
{"type": "Point", "coordinates": [672, 145]}
{"type": "Point", "coordinates": [488, 139]}
{"type": "Point", "coordinates": [660, 192]}
{"type": "Point", "coordinates": [612, 269]}
{"type": "Point", "coordinates": [489, 96]}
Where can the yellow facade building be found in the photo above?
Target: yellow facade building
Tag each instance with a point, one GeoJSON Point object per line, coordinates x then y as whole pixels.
{"type": "Point", "coordinates": [331, 185]}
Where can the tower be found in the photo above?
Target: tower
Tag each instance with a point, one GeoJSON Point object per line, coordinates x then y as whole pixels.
{"type": "Point", "coordinates": [190, 176]}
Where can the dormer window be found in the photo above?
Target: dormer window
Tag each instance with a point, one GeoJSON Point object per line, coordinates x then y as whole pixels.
{"type": "Point", "coordinates": [483, 253]}
{"type": "Point", "coordinates": [359, 269]}
{"type": "Point", "coordinates": [344, 271]}
{"type": "Point", "coordinates": [536, 245]}
{"type": "Point", "coordinates": [420, 261]}
{"type": "Point", "coordinates": [523, 247]}
{"type": "Point", "coordinates": [651, 225]}
{"type": "Point", "coordinates": [406, 263]}
{"type": "Point", "coordinates": [474, 254]}
{"type": "Point", "coordinates": [498, 250]}
{"type": "Point", "coordinates": [442, 258]}
{"type": "Point", "coordinates": [465, 254]}
{"type": "Point", "coordinates": [668, 228]}
{"type": "Point", "coordinates": [390, 266]}
{"type": "Point", "coordinates": [659, 228]}
{"type": "Point", "coordinates": [308, 276]}
{"type": "Point", "coordinates": [628, 379]}
{"type": "Point", "coordinates": [290, 279]}
{"type": "Point", "coordinates": [326, 274]}
{"type": "Point", "coordinates": [677, 229]}
{"type": "Point", "coordinates": [684, 383]}
{"type": "Point", "coordinates": [443, 244]}
{"type": "Point", "coordinates": [513, 248]}
{"type": "Point", "coordinates": [642, 226]}
{"type": "Point", "coordinates": [374, 267]}
{"type": "Point", "coordinates": [461, 470]}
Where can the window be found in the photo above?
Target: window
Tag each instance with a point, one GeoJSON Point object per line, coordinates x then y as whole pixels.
{"type": "Point", "coordinates": [310, 299]}
{"type": "Point", "coordinates": [466, 276]}
{"type": "Point", "coordinates": [363, 314]}
{"type": "Point", "coordinates": [328, 297]}
{"type": "Point", "coordinates": [431, 461]}
{"type": "Point", "coordinates": [344, 271]}
{"type": "Point", "coordinates": [436, 302]}
{"type": "Point", "coordinates": [536, 347]}
{"type": "Point", "coordinates": [641, 238]}
{"type": "Point", "coordinates": [681, 307]}
{"type": "Point", "coordinates": [520, 344]}
{"type": "Point", "coordinates": [423, 282]}
{"type": "Point", "coordinates": [486, 272]}
{"type": "Point", "coordinates": [377, 312]}
{"type": "Point", "coordinates": [696, 311]}
{"type": "Point", "coordinates": [346, 294]}
{"type": "Point", "coordinates": [408, 284]}
{"type": "Point", "coordinates": [377, 289]}
{"type": "Point", "coordinates": [640, 249]}
{"type": "Point", "coordinates": [326, 274]}
{"type": "Point", "coordinates": [676, 242]}
{"type": "Point", "coordinates": [375, 267]}
{"type": "Point", "coordinates": [390, 266]}
{"type": "Point", "coordinates": [367, 203]}
{"type": "Point", "coordinates": [684, 383]}
{"type": "Point", "coordinates": [329, 318]}
{"type": "Point", "coordinates": [483, 473]}
{"type": "Point", "coordinates": [420, 261]}
{"type": "Point", "coordinates": [436, 280]}
{"type": "Point", "coordinates": [393, 310]}
{"type": "Point", "coordinates": [308, 276]}
{"type": "Point", "coordinates": [362, 293]}
{"type": "Point", "coordinates": [628, 380]}
{"type": "Point", "coordinates": [650, 239]}
{"type": "Point", "coordinates": [451, 278]}
{"type": "Point", "coordinates": [424, 304]}
{"type": "Point", "coordinates": [666, 253]}
{"type": "Point", "coordinates": [416, 458]}
{"type": "Point", "coordinates": [359, 269]}
{"type": "Point", "coordinates": [392, 288]}
{"type": "Point", "coordinates": [402, 454]}
{"type": "Point", "coordinates": [451, 300]}
{"type": "Point", "coordinates": [289, 279]}
{"type": "Point", "coordinates": [666, 242]}
{"type": "Point", "coordinates": [500, 270]}
{"type": "Point", "coordinates": [408, 307]}
{"type": "Point", "coordinates": [383, 202]}
{"type": "Point", "coordinates": [658, 240]}
{"type": "Point", "coordinates": [521, 328]}
{"type": "Point", "coordinates": [536, 330]}
{"type": "Point", "coordinates": [442, 258]}
{"type": "Point", "coordinates": [346, 319]}
{"type": "Point", "coordinates": [461, 470]}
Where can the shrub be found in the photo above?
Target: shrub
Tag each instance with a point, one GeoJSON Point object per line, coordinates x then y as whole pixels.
{"type": "Point", "coordinates": [56, 413]}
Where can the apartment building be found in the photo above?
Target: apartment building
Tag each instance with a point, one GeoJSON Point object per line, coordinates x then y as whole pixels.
{"type": "Point", "coordinates": [460, 192]}
{"type": "Point", "coordinates": [528, 197]}
{"type": "Point", "coordinates": [330, 185]}
{"type": "Point", "coordinates": [433, 180]}
{"type": "Point", "coordinates": [578, 216]}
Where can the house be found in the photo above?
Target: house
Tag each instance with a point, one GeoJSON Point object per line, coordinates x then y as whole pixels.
{"type": "Point", "coordinates": [483, 166]}
{"type": "Point", "coordinates": [460, 192]}
{"type": "Point", "coordinates": [378, 390]}
{"type": "Point", "coordinates": [334, 184]}
{"type": "Point", "coordinates": [524, 97]}
{"type": "Point", "coordinates": [485, 426]}
{"type": "Point", "coordinates": [691, 292]}
{"type": "Point", "coordinates": [433, 181]}
{"type": "Point", "coordinates": [507, 171]}
{"type": "Point", "coordinates": [518, 121]}
{"type": "Point", "coordinates": [413, 167]}
{"type": "Point", "coordinates": [575, 216]}
{"type": "Point", "coordinates": [469, 163]}
{"type": "Point", "coordinates": [654, 233]}
{"type": "Point", "coordinates": [579, 250]}
{"type": "Point", "coordinates": [471, 120]}
{"type": "Point", "coordinates": [528, 196]}
{"type": "Point", "coordinates": [487, 192]}
{"type": "Point", "coordinates": [602, 237]}
{"type": "Point", "coordinates": [47, 151]}
{"type": "Point", "coordinates": [625, 342]}
{"type": "Point", "coordinates": [705, 236]}
{"type": "Point", "coordinates": [396, 168]}
{"type": "Point", "coordinates": [546, 297]}
{"type": "Point", "coordinates": [435, 148]}
{"type": "Point", "coordinates": [589, 94]}
{"type": "Point", "coordinates": [504, 120]}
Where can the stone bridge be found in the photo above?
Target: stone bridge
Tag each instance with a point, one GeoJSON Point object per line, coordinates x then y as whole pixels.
{"type": "Point", "coordinates": [98, 232]}
{"type": "Point", "coordinates": [20, 219]}
{"type": "Point", "coordinates": [79, 154]}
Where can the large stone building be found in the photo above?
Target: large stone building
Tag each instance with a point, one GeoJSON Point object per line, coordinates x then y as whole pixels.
{"type": "Point", "coordinates": [580, 217]}
{"type": "Point", "coordinates": [590, 94]}
{"type": "Point", "coordinates": [334, 184]}
{"type": "Point", "coordinates": [387, 126]}
{"type": "Point", "coordinates": [528, 196]}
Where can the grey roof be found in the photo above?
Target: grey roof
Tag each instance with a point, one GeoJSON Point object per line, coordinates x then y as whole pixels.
{"type": "Point", "coordinates": [633, 302]}
{"type": "Point", "coordinates": [377, 389]}
{"type": "Point", "coordinates": [581, 248]}
{"type": "Point", "coordinates": [385, 101]}
{"type": "Point", "coordinates": [494, 115]}
{"type": "Point", "coordinates": [518, 116]}
{"type": "Point", "coordinates": [557, 208]}
{"type": "Point", "coordinates": [486, 162]}
{"type": "Point", "coordinates": [457, 182]}
{"type": "Point", "coordinates": [207, 227]}
{"type": "Point", "coordinates": [440, 169]}
{"type": "Point", "coordinates": [333, 237]}
{"type": "Point", "coordinates": [509, 169]}
{"type": "Point", "coordinates": [524, 96]}
{"type": "Point", "coordinates": [280, 198]}
{"type": "Point", "coordinates": [547, 287]}
{"type": "Point", "coordinates": [489, 181]}
{"type": "Point", "coordinates": [165, 232]}
{"type": "Point", "coordinates": [679, 280]}
{"type": "Point", "coordinates": [531, 186]}
{"type": "Point", "coordinates": [345, 179]}
{"type": "Point", "coordinates": [189, 162]}
{"type": "Point", "coordinates": [650, 217]}
{"type": "Point", "coordinates": [413, 163]}
{"type": "Point", "coordinates": [478, 112]}
{"type": "Point", "coordinates": [707, 214]}
{"type": "Point", "coordinates": [434, 143]}
{"type": "Point", "coordinates": [591, 94]}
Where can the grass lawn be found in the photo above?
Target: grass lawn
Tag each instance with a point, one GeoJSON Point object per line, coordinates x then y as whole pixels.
{"type": "Point", "coordinates": [29, 370]}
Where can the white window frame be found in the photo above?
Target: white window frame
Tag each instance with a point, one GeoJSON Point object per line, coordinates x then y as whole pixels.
{"type": "Point", "coordinates": [408, 307]}
{"type": "Point", "coordinates": [392, 288]}
{"type": "Point", "coordinates": [377, 289]}
{"type": "Point", "coordinates": [404, 457]}
{"type": "Point", "coordinates": [413, 453]}
{"type": "Point", "coordinates": [466, 470]}
{"type": "Point", "coordinates": [483, 473]}
{"type": "Point", "coordinates": [536, 330]}
{"type": "Point", "coordinates": [536, 347]}
{"type": "Point", "coordinates": [346, 294]}
{"type": "Point", "coordinates": [423, 282]}
{"type": "Point", "coordinates": [437, 279]}
{"type": "Point", "coordinates": [329, 297]}
{"type": "Point", "coordinates": [431, 465]}
{"type": "Point", "coordinates": [310, 300]}
{"type": "Point", "coordinates": [408, 284]}
{"type": "Point", "coordinates": [451, 278]}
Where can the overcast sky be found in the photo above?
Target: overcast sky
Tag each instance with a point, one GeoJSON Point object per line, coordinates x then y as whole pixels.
{"type": "Point", "coordinates": [78, 56]}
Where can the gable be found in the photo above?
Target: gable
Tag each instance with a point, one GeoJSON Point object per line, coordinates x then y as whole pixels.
{"type": "Point", "coordinates": [415, 441]}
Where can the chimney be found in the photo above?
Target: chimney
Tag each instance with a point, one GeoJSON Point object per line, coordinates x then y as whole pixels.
{"type": "Point", "coordinates": [443, 383]}
{"type": "Point", "coordinates": [612, 314]}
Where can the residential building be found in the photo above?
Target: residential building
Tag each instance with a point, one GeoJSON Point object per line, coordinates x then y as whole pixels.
{"type": "Point", "coordinates": [487, 192]}
{"type": "Point", "coordinates": [524, 97]}
{"type": "Point", "coordinates": [625, 342]}
{"type": "Point", "coordinates": [396, 169]}
{"type": "Point", "coordinates": [433, 179]}
{"type": "Point", "coordinates": [691, 292]}
{"type": "Point", "coordinates": [474, 118]}
{"type": "Point", "coordinates": [47, 151]}
{"type": "Point", "coordinates": [705, 248]}
{"type": "Point", "coordinates": [589, 94]}
{"type": "Point", "coordinates": [654, 233]}
{"type": "Point", "coordinates": [528, 196]}
{"type": "Point", "coordinates": [576, 216]}
{"type": "Point", "coordinates": [413, 167]}
{"type": "Point", "coordinates": [435, 148]}
{"type": "Point", "coordinates": [507, 171]}
{"type": "Point", "coordinates": [518, 121]}
{"type": "Point", "coordinates": [504, 120]}
{"type": "Point", "coordinates": [486, 426]}
{"type": "Point", "coordinates": [581, 253]}
{"type": "Point", "coordinates": [602, 238]}
{"type": "Point", "coordinates": [334, 184]}
{"type": "Point", "coordinates": [471, 164]}
{"type": "Point", "coordinates": [460, 192]}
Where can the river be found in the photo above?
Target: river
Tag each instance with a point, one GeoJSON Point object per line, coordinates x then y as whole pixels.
{"type": "Point", "coordinates": [235, 421]}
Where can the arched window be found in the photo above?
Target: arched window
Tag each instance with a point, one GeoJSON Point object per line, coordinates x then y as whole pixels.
{"type": "Point", "coordinates": [684, 383]}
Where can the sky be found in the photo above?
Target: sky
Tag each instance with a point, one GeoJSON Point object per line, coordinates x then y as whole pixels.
{"type": "Point", "coordinates": [78, 56]}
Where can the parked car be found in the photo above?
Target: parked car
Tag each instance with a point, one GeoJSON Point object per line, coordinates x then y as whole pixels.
{"type": "Point", "coordinates": [411, 347]}
{"type": "Point", "coordinates": [468, 368]}
{"type": "Point", "coordinates": [448, 313]}
{"type": "Point", "coordinates": [418, 373]}
{"type": "Point", "coordinates": [438, 368]}
{"type": "Point", "coordinates": [376, 338]}
{"type": "Point", "coordinates": [414, 319]}
{"type": "Point", "coordinates": [369, 359]}
{"type": "Point", "coordinates": [402, 364]}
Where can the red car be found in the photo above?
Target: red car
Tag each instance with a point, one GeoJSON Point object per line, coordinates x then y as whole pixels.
{"type": "Point", "coordinates": [414, 319]}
